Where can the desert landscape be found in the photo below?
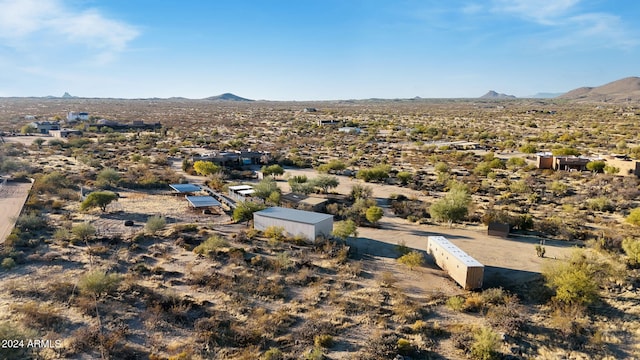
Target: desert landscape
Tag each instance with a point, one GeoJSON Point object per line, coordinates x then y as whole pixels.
{"type": "Point", "coordinates": [106, 260]}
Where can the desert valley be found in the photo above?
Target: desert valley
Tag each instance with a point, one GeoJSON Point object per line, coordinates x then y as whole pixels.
{"type": "Point", "coordinates": [164, 228]}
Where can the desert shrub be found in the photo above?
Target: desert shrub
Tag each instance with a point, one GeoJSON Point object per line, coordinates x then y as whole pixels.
{"type": "Point", "coordinates": [315, 354]}
{"type": "Point", "coordinates": [380, 346]}
{"type": "Point", "coordinates": [485, 345]}
{"type": "Point", "coordinates": [273, 354]}
{"type": "Point", "coordinates": [98, 282]}
{"type": "Point", "coordinates": [31, 221]}
{"type": "Point", "coordinates": [402, 248]}
{"type": "Point", "coordinates": [211, 245]}
{"type": "Point", "coordinates": [10, 331]}
{"type": "Point", "coordinates": [456, 303]}
{"type": "Point", "coordinates": [540, 250]}
{"type": "Point", "coordinates": [8, 263]}
{"type": "Point", "coordinates": [412, 259]}
{"type": "Point", "coordinates": [37, 315]}
{"type": "Point", "coordinates": [601, 203]}
{"type": "Point", "coordinates": [506, 317]}
{"type": "Point", "coordinates": [275, 233]}
{"type": "Point", "coordinates": [83, 231]}
{"type": "Point", "coordinates": [631, 248]}
{"type": "Point", "coordinates": [324, 341]}
{"type": "Point", "coordinates": [62, 234]}
{"type": "Point", "coordinates": [575, 281]}
{"type": "Point", "coordinates": [155, 224]}
{"type": "Point", "coordinates": [405, 347]}
{"type": "Point", "coordinates": [634, 217]}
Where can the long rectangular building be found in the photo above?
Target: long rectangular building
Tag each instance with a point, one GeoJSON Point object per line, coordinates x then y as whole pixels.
{"type": "Point", "coordinates": [465, 270]}
{"type": "Point", "coordinates": [295, 222]}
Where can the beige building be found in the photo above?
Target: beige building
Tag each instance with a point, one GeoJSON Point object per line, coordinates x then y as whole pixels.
{"type": "Point", "coordinates": [465, 270]}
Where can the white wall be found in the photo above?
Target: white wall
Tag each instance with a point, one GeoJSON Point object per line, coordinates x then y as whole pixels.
{"type": "Point", "coordinates": [309, 231]}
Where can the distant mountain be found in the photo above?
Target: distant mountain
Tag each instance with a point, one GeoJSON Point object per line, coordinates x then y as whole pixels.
{"type": "Point", "coordinates": [227, 97]}
{"type": "Point", "coordinates": [66, 95]}
{"type": "Point", "coordinates": [494, 95]}
{"type": "Point", "coordinates": [627, 89]}
{"type": "Point", "coordinates": [545, 95]}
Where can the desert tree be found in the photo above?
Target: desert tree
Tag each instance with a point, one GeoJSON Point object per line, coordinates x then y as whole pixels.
{"type": "Point", "coordinates": [412, 259]}
{"type": "Point", "coordinates": [266, 188]}
{"type": "Point", "coordinates": [205, 168]}
{"type": "Point", "coordinates": [244, 210]}
{"type": "Point", "coordinates": [454, 206]}
{"type": "Point", "coordinates": [325, 182]}
{"type": "Point", "coordinates": [374, 214]}
{"type": "Point", "coordinates": [272, 170]}
{"type": "Point", "coordinates": [344, 229]}
{"type": "Point", "coordinates": [596, 166]}
{"type": "Point", "coordinates": [100, 199]}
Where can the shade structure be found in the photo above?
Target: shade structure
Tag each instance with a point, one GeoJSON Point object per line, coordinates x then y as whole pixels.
{"type": "Point", "coordinates": [202, 201]}
{"type": "Point", "coordinates": [185, 188]}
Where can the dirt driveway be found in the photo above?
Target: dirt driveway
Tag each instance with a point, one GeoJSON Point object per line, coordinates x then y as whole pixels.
{"type": "Point", "coordinates": [508, 262]}
{"type": "Point", "coordinates": [12, 197]}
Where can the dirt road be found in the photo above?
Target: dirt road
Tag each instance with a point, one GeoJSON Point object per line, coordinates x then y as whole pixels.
{"type": "Point", "coordinates": [12, 197]}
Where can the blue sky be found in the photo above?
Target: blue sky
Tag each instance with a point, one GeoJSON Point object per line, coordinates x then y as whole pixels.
{"type": "Point", "coordinates": [314, 50]}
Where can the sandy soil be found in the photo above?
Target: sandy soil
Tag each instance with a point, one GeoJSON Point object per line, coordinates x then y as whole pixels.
{"type": "Point", "coordinates": [12, 197]}
{"type": "Point", "coordinates": [508, 262]}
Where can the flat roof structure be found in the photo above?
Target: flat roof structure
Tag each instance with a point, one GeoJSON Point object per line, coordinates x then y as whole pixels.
{"type": "Point", "coordinates": [456, 252]}
{"type": "Point", "coordinates": [202, 201]}
{"type": "Point", "coordinates": [300, 216]}
{"type": "Point", "coordinates": [246, 192]}
{"type": "Point", "coordinates": [240, 187]}
{"type": "Point", "coordinates": [185, 188]}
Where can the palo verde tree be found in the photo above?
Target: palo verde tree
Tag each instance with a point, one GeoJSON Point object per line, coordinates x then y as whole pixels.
{"type": "Point", "coordinates": [274, 170]}
{"type": "Point", "coordinates": [454, 206]}
{"type": "Point", "coordinates": [325, 182]}
{"type": "Point", "coordinates": [99, 199]}
{"type": "Point", "coordinates": [344, 229]}
{"type": "Point", "coordinates": [245, 209]}
{"type": "Point", "coordinates": [205, 168]}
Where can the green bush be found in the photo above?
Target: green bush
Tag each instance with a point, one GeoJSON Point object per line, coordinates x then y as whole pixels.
{"type": "Point", "coordinates": [485, 345]}
{"type": "Point", "coordinates": [211, 245]}
{"type": "Point", "coordinates": [456, 303]}
{"type": "Point", "coordinates": [576, 281]}
{"type": "Point", "coordinates": [273, 354]}
{"type": "Point", "coordinates": [634, 217]}
{"type": "Point", "coordinates": [155, 224]}
{"type": "Point", "coordinates": [412, 259]}
{"type": "Point", "coordinates": [8, 263]}
{"type": "Point", "coordinates": [98, 282]}
{"type": "Point", "coordinates": [631, 248]}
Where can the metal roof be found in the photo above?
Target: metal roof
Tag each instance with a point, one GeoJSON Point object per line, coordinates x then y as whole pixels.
{"type": "Point", "coordinates": [202, 201]}
{"type": "Point", "coordinates": [455, 251]}
{"type": "Point", "coordinates": [240, 187]}
{"type": "Point", "coordinates": [185, 188]}
{"type": "Point", "coordinates": [246, 192]}
{"type": "Point", "coordinates": [301, 216]}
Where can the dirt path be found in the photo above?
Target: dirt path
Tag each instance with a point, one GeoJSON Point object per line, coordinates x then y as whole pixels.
{"type": "Point", "coordinates": [12, 198]}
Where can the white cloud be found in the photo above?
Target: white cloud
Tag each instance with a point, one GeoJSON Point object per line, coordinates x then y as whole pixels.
{"type": "Point", "coordinates": [541, 11]}
{"type": "Point", "coordinates": [26, 24]}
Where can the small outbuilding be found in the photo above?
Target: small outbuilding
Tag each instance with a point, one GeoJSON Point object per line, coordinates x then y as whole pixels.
{"type": "Point", "coordinates": [465, 270]}
{"type": "Point", "coordinates": [498, 229]}
{"type": "Point", "coordinates": [308, 224]}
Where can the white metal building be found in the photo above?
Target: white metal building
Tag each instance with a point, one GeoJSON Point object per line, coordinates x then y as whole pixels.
{"type": "Point", "coordinates": [461, 267]}
{"type": "Point", "coordinates": [295, 222]}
